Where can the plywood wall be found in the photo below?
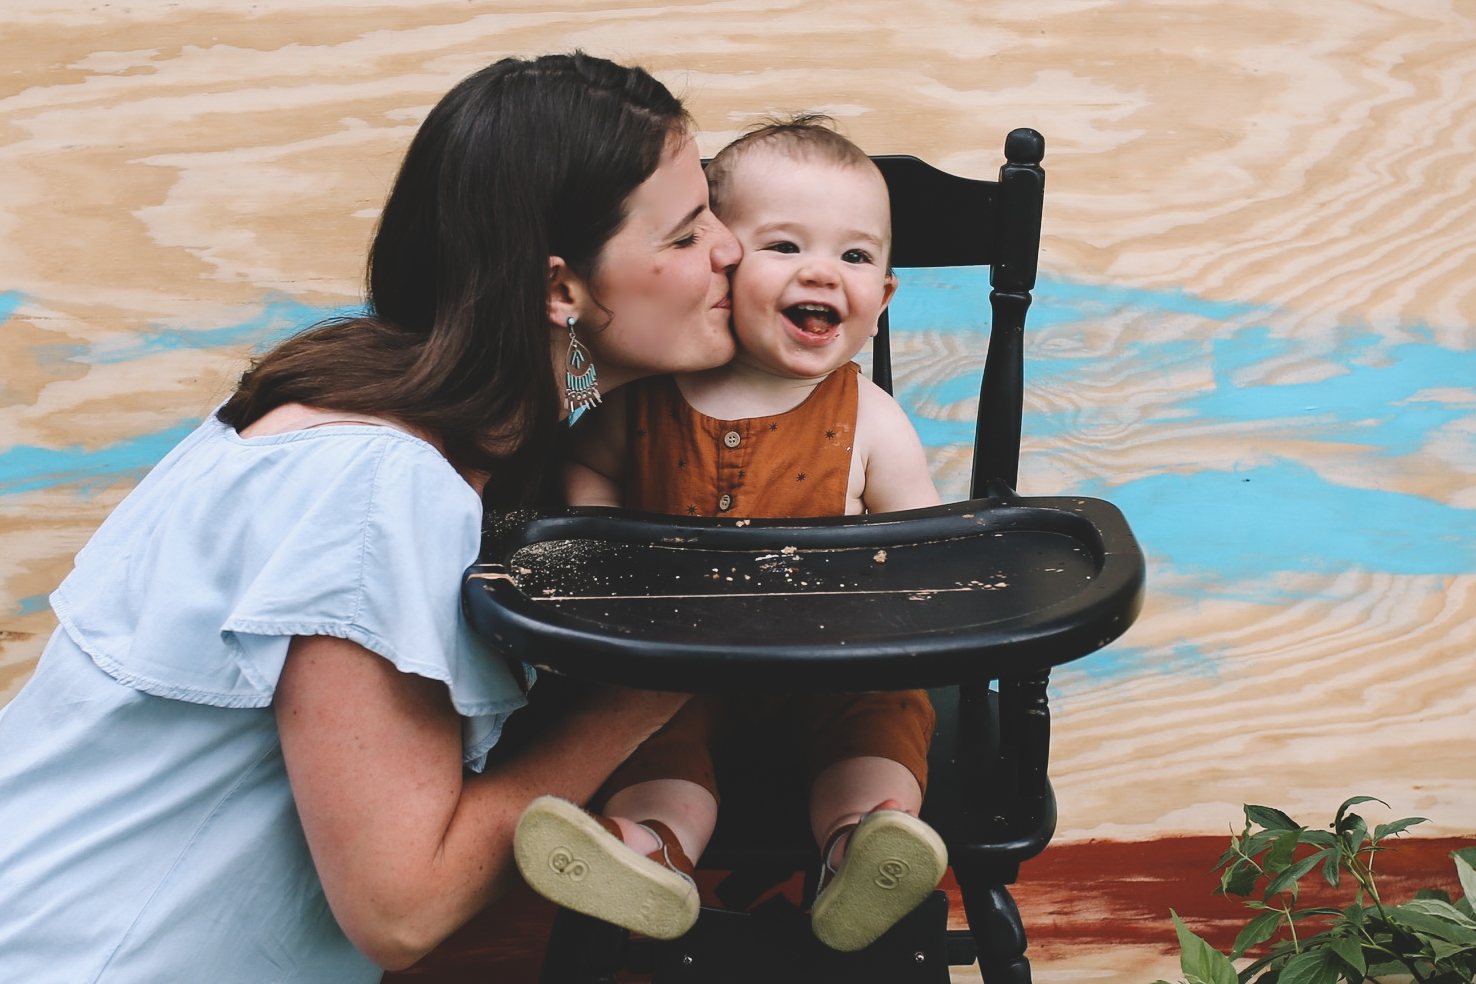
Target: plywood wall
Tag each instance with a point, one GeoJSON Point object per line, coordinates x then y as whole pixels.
{"type": "Point", "coordinates": [1256, 331]}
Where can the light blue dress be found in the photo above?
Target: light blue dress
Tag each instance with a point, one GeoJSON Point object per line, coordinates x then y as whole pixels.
{"type": "Point", "coordinates": [147, 829]}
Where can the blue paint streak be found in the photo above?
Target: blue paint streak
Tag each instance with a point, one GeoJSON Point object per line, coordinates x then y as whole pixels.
{"type": "Point", "coordinates": [1242, 525]}
{"type": "Point", "coordinates": [25, 468]}
{"type": "Point", "coordinates": [279, 318]}
{"type": "Point", "coordinates": [1207, 532]}
{"type": "Point", "coordinates": [33, 604]}
{"type": "Point", "coordinates": [1370, 400]}
{"type": "Point", "coordinates": [1238, 528]}
{"type": "Point", "coordinates": [951, 298]}
{"type": "Point", "coordinates": [9, 301]}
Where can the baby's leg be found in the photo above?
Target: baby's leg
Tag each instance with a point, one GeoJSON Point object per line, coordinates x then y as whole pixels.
{"type": "Point", "coordinates": [685, 807]}
{"type": "Point", "coordinates": [848, 790]}
{"type": "Point", "coordinates": [863, 749]}
{"type": "Point", "coordinates": [670, 778]}
{"type": "Point", "coordinates": [870, 761]}
{"type": "Point", "coordinates": [631, 866]}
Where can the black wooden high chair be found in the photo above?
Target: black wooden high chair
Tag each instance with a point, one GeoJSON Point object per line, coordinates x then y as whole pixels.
{"type": "Point", "coordinates": [976, 599]}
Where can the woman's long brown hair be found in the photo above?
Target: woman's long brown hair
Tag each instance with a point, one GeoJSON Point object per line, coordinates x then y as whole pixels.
{"type": "Point", "coordinates": [519, 162]}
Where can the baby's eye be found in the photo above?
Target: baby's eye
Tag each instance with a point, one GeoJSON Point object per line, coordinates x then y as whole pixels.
{"type": "Point", "coordinates": [856, 256]}
{"type": "Point", "coordinates": [783, 247]}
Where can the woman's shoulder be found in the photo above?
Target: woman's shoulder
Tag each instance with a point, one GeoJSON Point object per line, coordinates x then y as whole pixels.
{"type": "Point", "coordinates": [292, 417]}
{"type": "Point", "coordinates": [220, 484]}
{"type": "Point", "coordinates": [321, 444]}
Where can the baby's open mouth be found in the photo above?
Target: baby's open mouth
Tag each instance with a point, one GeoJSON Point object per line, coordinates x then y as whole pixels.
{"type": "Point", "coordinates": [813, 319]}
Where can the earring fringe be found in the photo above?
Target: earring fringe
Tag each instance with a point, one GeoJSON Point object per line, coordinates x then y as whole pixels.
{"type": "Point", "coordinates": [581, 388]}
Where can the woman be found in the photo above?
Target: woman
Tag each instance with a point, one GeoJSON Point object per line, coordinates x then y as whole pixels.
{"type": "Point", "coordinates": [256, 748]}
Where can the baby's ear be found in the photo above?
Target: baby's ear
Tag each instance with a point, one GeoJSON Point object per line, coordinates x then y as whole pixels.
{"type": "Point", "coordinates": [889, 287]}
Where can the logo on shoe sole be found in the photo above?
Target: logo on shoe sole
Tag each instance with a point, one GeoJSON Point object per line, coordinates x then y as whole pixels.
{"type": "Point", "coordinates": [891, 872]}
{"type": "Point", "coordinates": [565, 864]}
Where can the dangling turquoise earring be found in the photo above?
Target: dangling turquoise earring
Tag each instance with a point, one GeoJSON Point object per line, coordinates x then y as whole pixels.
{"type": "Point", "coordinates": [580, 387]}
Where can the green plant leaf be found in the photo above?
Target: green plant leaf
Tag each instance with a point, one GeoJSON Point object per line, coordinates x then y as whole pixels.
{"type": "Point", "coordinates": [1354, 831]}
{"type": "Point", "coordinates": [1258, 843]}
{"type": "Point", "coordinates": [1384, 967]}
{"type": "Point", "coordinates": [1279, 858]}
{"type": "Point", "coordinates": [1440, 909]}
{"type": "Point", "coordinates": [1269, 818]}
{"type": "Point", "coordinates": [1444, 951]}
{"type": "Point", "coordinates": [1287, 880]}
{"type": "Point", "coordinates": [1300, 914]}
{"type": "Point", "coordinates": [1350, 951]}
{"type": "Point", "coordinates": [1315, 967]}
{"type": "Point", "coordinates": [1397, 827]}
{"type": "Point", "coordinates": [1353, 801]}
{"type": "Point", "coordinates": [1239, 879]}
{"type": "Point", "coordinates": [1465, 862]}
{"type": "Point", "coordinates": [1258, 930]}
{"type": "Point", "coordinates": [1200, 960]}
{"type": "Point", "coordinates": [1332, 868]}
{"type": "Point", "coordinates": [1420, 919]}
{"type": "Point", "coordinates": [1320, 838]}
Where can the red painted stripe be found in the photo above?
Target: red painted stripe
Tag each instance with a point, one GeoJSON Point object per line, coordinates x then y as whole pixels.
{"type": "Point", "coordinates": [1075, 896]}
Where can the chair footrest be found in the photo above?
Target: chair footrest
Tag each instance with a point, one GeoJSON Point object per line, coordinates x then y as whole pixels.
{"type": "Point", "coordinates": [774, 944]}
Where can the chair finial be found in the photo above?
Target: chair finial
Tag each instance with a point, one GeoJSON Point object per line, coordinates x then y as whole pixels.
{"type": "Point", "coordinates": [1024, 146]}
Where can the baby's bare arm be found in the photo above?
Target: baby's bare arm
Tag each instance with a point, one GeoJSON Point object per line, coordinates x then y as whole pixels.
{"type": "Point", "coordinates": [594, 474]}
{"type": "Point", "coordinates": [897, 475]}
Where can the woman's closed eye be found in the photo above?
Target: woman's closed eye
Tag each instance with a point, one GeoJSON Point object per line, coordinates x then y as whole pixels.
{"type": "Point", "coordinates": [690, 239]}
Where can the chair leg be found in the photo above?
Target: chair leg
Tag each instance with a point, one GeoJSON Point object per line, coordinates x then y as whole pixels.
{"type": "Point", "coordinates": [995, 922]}
{"type": "Point", "coordinates": [582, 950]}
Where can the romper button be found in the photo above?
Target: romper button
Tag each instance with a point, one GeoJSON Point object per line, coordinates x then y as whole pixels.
{"type": "Point", "coordinates": [732, 439]}
{"type": "Point", "coordinates": [726, 502]}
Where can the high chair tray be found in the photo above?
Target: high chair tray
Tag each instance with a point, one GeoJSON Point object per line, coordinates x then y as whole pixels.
{"type": "Point", "coordinates": [976, 589]}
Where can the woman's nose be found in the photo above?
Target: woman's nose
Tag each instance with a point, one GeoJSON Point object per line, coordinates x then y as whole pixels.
{"type": "Point", "coordinates": [726, 252]}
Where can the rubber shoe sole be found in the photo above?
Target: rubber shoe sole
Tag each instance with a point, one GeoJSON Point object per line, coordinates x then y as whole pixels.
{"type": "Point", "coordinates": [892, 863]}
{"type": "Point", "coordinates": [568, 858]}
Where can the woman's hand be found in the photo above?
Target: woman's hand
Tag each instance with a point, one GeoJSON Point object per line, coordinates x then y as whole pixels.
{"type": "Point", "coordinates": [408, 846]}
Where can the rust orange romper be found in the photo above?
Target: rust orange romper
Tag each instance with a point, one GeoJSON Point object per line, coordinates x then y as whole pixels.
{"type": "Point", "coordinates": [792, 464]}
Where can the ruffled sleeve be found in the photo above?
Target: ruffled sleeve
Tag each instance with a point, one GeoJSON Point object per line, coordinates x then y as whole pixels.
{"type": "Point", "coordinates": [361, 533]}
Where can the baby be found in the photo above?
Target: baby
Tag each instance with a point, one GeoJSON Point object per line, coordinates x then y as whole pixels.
{"type": "Point", "coordinates": [789, 428]}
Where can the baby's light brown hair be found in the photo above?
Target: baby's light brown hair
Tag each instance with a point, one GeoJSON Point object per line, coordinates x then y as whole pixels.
{"type": "Point", "coordinates": [809, 137]}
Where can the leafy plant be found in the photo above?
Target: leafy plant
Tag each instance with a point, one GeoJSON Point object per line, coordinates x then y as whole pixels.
{"type": "Point", "coordinates": [1429, 939]}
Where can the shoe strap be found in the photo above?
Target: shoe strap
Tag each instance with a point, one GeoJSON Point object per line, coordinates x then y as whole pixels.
{"type": "Point", "coordinates": [668, 851]}
{"type": "Point", "coordinates": [828, 870]}
{"type": "Point", "coordinates": [610, 826]}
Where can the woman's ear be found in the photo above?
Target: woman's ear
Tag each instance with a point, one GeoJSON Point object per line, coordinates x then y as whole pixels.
{"type": "Point", "coordinates": [566, 293]}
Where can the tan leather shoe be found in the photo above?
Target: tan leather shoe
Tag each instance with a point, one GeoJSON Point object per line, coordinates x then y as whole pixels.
{"type": "Point", "coordinates": [577, 859]}
{"type": "Point", "coordinates": [891, 864]}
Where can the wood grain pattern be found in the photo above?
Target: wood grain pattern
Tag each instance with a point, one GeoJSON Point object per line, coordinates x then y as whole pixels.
{"type": "Point", "coordinates": [1256, 329]}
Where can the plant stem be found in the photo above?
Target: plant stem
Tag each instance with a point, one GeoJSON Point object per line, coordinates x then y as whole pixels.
{"type": "Point", "coordinates": [1363, 874]}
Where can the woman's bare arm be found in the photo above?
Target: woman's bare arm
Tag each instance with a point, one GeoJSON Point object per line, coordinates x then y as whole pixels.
{"type": "Point", "coordinates": [408, 846]}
